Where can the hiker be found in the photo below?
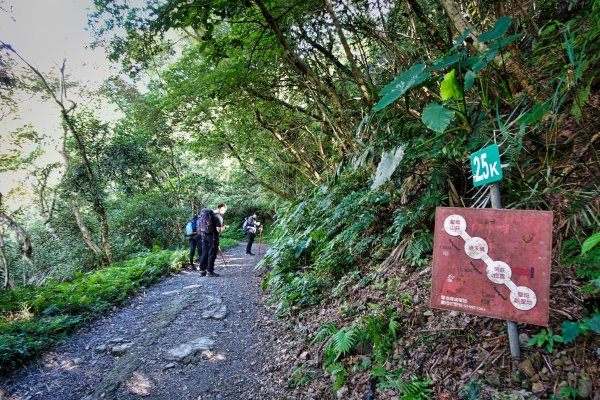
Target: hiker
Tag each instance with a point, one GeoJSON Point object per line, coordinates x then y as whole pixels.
{"type": "Point", "coordinates": [194, 239]}
{"type": "Point", "coordinates": [249, 228]}
{"type": "Point", "coordinates": [210, 226]}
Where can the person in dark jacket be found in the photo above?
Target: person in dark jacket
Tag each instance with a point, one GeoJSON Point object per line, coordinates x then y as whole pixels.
{"type": "Point", "coordinates": [250, 230]}
{"type": "Point", "coordinates": [195, 243]}
{"type": "Point", "coordinates": [210, 243]}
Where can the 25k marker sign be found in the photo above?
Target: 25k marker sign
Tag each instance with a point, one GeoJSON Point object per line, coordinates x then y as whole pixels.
{"type": "Point", "coordinates": [485, 165]}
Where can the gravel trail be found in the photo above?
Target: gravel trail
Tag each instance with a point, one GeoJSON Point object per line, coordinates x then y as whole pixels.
{"type": "Point", "coordinates": [188, 337]}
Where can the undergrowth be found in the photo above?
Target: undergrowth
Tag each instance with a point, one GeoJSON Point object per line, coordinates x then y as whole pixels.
{"type": "Point", "coordinates": [34, 318]}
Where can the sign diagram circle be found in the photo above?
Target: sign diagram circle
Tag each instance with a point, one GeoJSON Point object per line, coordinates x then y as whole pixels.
{"type": "Point", "coordinates": [476, 248]}
{"type": "Point", "coordinates": [499, 272]}
{"type": "Point", "coordinates": [523, 298]}
{"type": "Point", "coordinates": [455, 225]}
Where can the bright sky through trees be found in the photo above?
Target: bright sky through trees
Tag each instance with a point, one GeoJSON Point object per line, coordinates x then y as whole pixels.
{"type": "Point", "coordinates": [45, 32]}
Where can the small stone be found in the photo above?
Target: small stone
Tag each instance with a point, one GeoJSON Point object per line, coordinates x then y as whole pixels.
{"type": "Point", "coordinates": [524, 340]}
{"type": "Point", "coordinates": [527, 367]}
{"type": "Point", "coordinates": [305, 356]}
{"type": "Point", "coordinates": [557, 362]}
{"type": "Point", "coordinates": [537, 361]}
{"type": "Point", "coordinates": [493, 380]}
{"type": "Point", "coordinates": [416, 299]}
{"type": "Point", "coordinates": [341, 393]}
{"type": "Point", "coordinates": [538, 388]}
{"type": "Point", "coordinates": [121, 349]}
{"type": "Point", "coordinates": [77, 360]}
{"type": "Point", "coordinates": [584, 385]}
{"type": "Point", "coordinates": [101, 349]}
{"type": "Point", "coordinates": [116, 340]}
{"type": "Point", "coordinates": [169, 366]}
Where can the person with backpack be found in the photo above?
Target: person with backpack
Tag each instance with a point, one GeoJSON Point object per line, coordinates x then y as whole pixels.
{"type": "Point", "coordinates": [250, 226]}
{"type": "Point", "coordinates": [210, 225]}
{"type": "Point", "coordinates": [194, 239]}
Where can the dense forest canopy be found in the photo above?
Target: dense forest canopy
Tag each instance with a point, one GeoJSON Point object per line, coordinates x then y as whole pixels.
{"type": "Point", "coordinates": [345, 121]}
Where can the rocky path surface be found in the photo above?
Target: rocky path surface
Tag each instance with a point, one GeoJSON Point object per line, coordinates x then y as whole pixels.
{"type": "Point", "coordinates": [188, 337]}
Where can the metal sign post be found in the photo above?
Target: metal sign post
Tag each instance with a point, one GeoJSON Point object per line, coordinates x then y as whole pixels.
{"type": "Point", "coordinates": [513, 330]}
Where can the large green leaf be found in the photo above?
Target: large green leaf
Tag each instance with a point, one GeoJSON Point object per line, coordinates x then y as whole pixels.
{"type": "Point", "coordinates": [469, 79]}
{"type": "Point", "coordinates": [437, 117]}
{"type": "Point", "coordinates": [444, 62]}
{"type": "Point", "coordinates": [570, 330]}
{"type": "Point", "coordinates": [593, 323]}
{"type": "Point", "coordinates": [502, 43]}
{"type": "Point", "coordinates": [388, 164]}
{"type": "Point", "coordinates": [461, 39]}
{"type": "Point", "coordinates": [500, 28]}
{"type": "Point", "coordinates": [403, 82]}
{"type": "Point", "coordinates": [590, 242]}
{"type": "Point", "coordinates": [450, 89]}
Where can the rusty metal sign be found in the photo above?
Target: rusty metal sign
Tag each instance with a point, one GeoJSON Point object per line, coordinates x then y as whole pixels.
{"type": "Point", "coordinates": [494, 263]}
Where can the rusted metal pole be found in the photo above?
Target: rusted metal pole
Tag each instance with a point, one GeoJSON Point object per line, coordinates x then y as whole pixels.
{"type": "Point", "coordinates": [513, 331]}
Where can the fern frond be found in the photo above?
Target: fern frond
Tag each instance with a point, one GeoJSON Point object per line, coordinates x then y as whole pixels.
{"type": "Point", "coordinates": [343, 341]}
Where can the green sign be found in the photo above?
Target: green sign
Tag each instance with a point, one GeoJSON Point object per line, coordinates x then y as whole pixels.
{"type": "Point", "coordinates": [485, 165]}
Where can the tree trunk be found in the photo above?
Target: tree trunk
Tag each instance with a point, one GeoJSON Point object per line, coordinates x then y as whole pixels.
{"type": "Point", "coordinates": [356, 74]}
{"type": "Point", "coordinates": [4, 264]}
{"type": "Point", "coordinates": [26, 248]}
{"type": "Point", "coordinates": [85, 233]}
{"type": "Point", "coordinates": [461, 24]}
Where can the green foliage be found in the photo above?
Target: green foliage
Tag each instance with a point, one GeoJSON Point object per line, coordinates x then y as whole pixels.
{"type": "Point", "coordinates": [411, 389]}
{"type": "Point", "coordinates": [590, 243]}
{"type": "Point", "coordinates": [545, 338]}
{"type": "Point", "coordinates": [570, 330]}
{"type": "Point", "coordinates": [35, 318]}
{"type": "Point", "coordinates": [302, 376]}
{"type": "Point", "coordinates": [569, 393]}
{"type": "Point", "coordinates": [470, 391]}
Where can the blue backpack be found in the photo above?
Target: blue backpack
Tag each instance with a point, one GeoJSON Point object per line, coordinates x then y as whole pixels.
{"type": "Point", "coordinates": [190, 228]}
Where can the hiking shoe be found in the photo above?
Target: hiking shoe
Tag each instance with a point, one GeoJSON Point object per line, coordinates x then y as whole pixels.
{"type": "Point", "coordinates": [213, 274]}
{"type": "Point", "coordinates": [202, 273]}
{"type": "Point", "coordinates": [251, 254]}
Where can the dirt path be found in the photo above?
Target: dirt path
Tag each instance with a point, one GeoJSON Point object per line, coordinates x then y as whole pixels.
{"type": "Point", "coordinates": [188, 337]}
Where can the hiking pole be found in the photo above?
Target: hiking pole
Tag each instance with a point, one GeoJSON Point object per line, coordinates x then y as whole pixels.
{"type": "Point", "coordinates": [259, 240]}
{"type": "Point", "coordinates": [222, 255]}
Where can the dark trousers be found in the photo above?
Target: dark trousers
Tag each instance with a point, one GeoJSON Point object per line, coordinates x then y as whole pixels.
{"type": "Point", "coordinates": [251, 237]}
{"type": "Point", "coordinates": [195, 244]}
{"type": "Point", "coordinates": [210, 246]}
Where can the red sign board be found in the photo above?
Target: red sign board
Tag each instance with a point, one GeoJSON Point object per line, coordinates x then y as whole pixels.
{"type": "Point", "coordinates": [494, 263]}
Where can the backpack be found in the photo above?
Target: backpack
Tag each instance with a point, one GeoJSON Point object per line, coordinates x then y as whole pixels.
{"type": "Point", "coordinates": [190, 228]}
{"type": "Point", "coordinates": [206, 220]}
{"type": "Point", "coordinates": [245, 226]}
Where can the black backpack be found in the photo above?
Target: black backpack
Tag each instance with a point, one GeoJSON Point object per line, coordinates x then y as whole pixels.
{"type": "Point", "coordinates": [206, 221]}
